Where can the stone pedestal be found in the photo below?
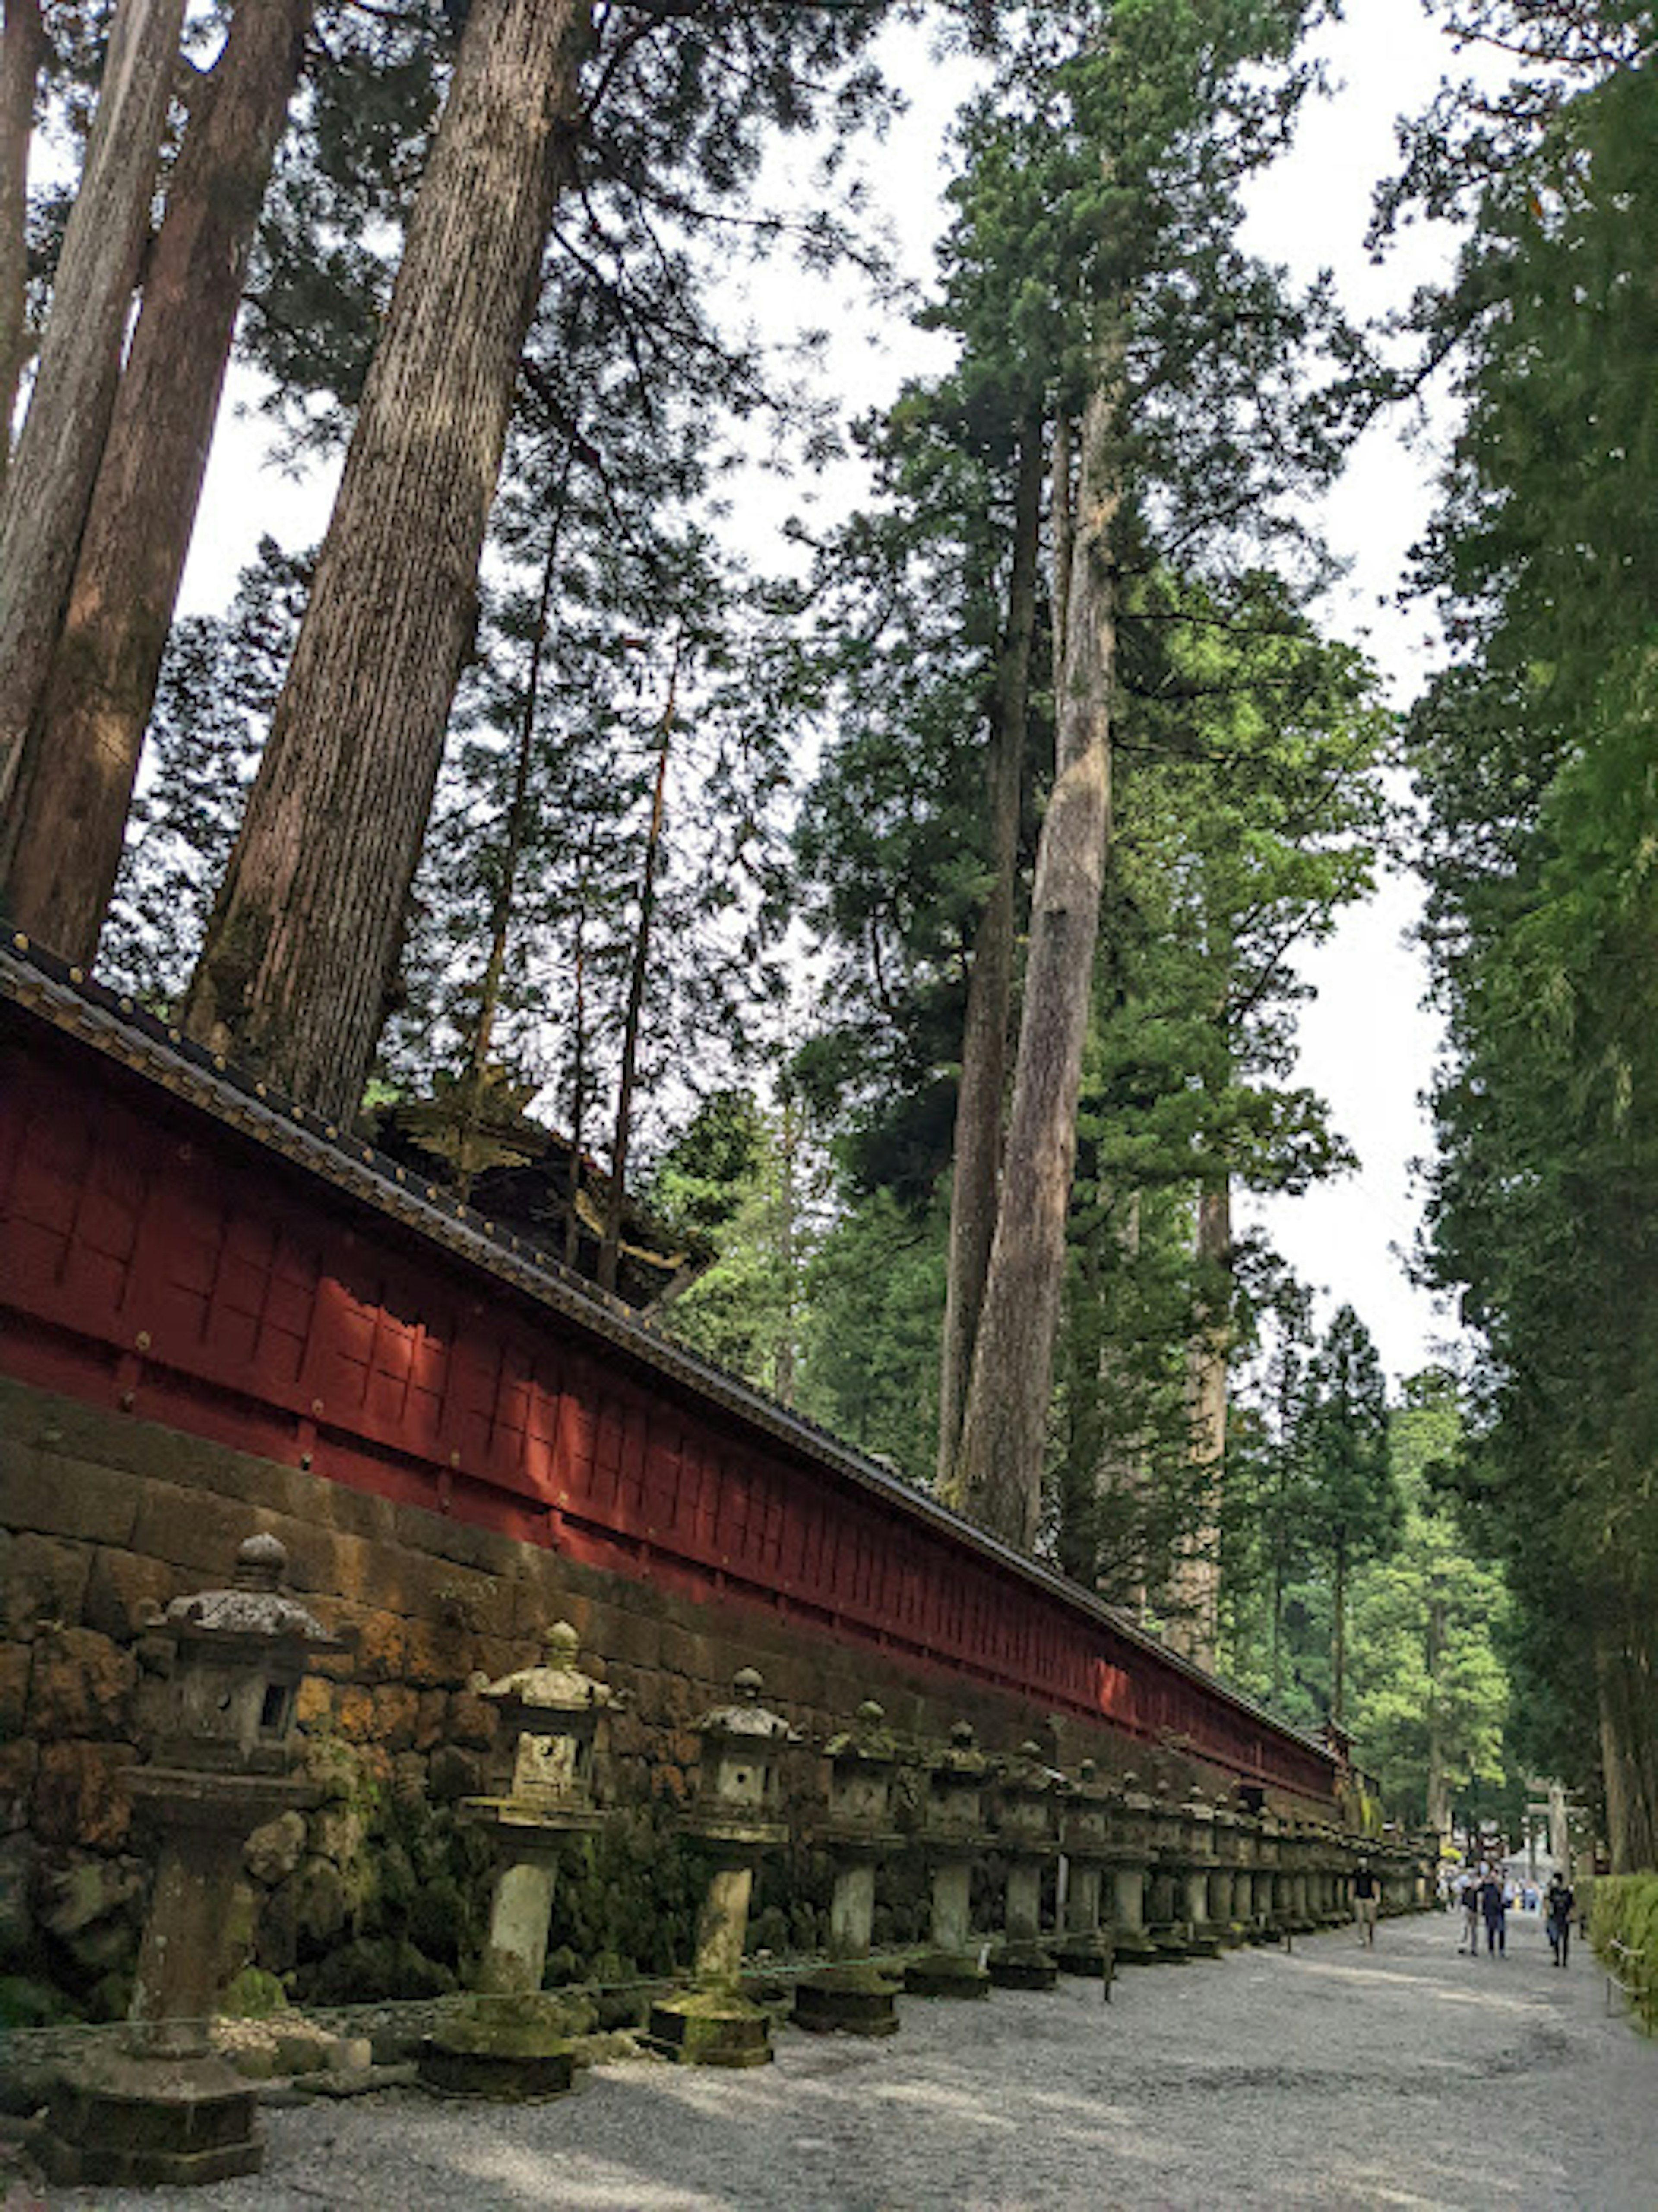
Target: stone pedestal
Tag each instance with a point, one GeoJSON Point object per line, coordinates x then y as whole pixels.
{"type": "Point", "coordinates": [854, 1995]}
{"type": "Point", "coordinates": [1167, 1915]}
{"type": "Point", "coordinates": [1129, 1875]}
{"type": "Point", "coordinates": [1131, 1943]}
{"type": "Point", "coordinates": [1021, 1960]}
{"type": "Point", "coordinates": [1026, 1831]}
{"type": "Point", "coordinates": [714, 2024]}
{"type": "Point", "coordinates": [951, 1966]}
{"type": "Point", "coordinates": [520, 1908]}
{"type": "Point", "coordinates": [1084, 1946]}
{"type": "Point", "coordinates": [511, 2052]}
{"type": "Point", "coordinates": [1199, 1875]}
{"type": "Point", "coordinates": [736, 1814]}
{"type": "Point", "coordinates": [510, 2048]}
{"type": "Point", "coordinates": [121, 2119]}
{"type": "Point", "coordinates": [954, 1836]}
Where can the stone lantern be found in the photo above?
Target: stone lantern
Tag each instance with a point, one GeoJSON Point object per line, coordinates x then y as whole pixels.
{"type": "Point", "coordinates": [1229, 1885]}
{"type": "Point", "coordinates": [854, 1995]}
{"type": "Point", "coordinates": [1198, 1866]}
{"type": "Point", "coordinates": [1132, 1856]}
{"type": "Point", "coordinates": [954, 1834]}
{"type": "Point", "coordinates": [1083, 1947]}
{"type": "Point", "coordinates": [738, 1815]}
{"type": "Point", "coordinates": [1028, 1838]}
{"type": "Point", "coordinates": [541, 1790]}
{"type": "Point", "coordinates": [1166, 1923]}
{"type": "Point", "coordinates": [161, 2108]}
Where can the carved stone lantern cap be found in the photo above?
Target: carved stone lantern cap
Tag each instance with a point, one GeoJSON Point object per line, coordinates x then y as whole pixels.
{"type": "Point", "coordinates": [253, 1605]}
{"type": "Point", "coordinates": [961, 1755]}
{"type": "Point", "coordinates": [556, 1684]}
{"type": "Point", "coordinates": [746, 1715]}
{"type": "Point", "coordinates": [1029, 1770]}
{"type": "Point", "coordinates": [869, 1739]}
{"type": "Point", "coordinates": [1090, 1783]}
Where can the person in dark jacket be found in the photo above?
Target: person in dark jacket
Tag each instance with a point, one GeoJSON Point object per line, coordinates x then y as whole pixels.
{"type": "Point", "coordinates": [1367, 1901]}
{"type": "Point", "coordinates": [1494, 1911]}
{"type": "Point", "coordinates": [1558, 1902]}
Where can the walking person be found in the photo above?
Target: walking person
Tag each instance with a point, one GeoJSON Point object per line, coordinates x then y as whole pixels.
{"type": "Point", "coordinates": [1469, 1896]}
{"type": "Point", "coordinates": [1558, 1903]}
{"type": "Point", "coordinates": [1367, 1902]}
{"type": "Point", "coordinates": [1494, 1906]}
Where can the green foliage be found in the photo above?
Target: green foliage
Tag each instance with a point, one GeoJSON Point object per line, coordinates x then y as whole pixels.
{"type": "Point", "coordinates": [870, 1363]}
{"type": "Point", "coordinates": [1430, 1691]}
{"type": "Point", "coordinates": [750, 1179]}
{"type": "Point", "coordinates": [1534, 754]}
{"type": "Point", "coordinates": [219, 683]}
{"type": "Point", "coordinates": [1352, 1491]}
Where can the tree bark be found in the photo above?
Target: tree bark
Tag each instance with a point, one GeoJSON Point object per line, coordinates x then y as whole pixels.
{"type": "Point", "coordinates": [788, 1150]}
{"type": "Point", "coordinates": [1626, 1684]}
{"type": "Point", "coordinates": [982, 1095]}
{"type": "Point", "coordinates": [304, 936]}
{"type": "Point", "coordinates": [23, 47]}
{"type": "Point", "coordinates": [61, 844]}
{"type": "Point", "coordinates": [1438, 1787]}
{"type": "Point", "coordinates": [1194, 1592]}
{"type": "Point", "coordinates": [998, 1473]}
{"type": "Point", "coordinates": [1339, 1632]}
{"type": "Point", "coordinates": [514, 832]}
{"type": "Point", "coordinates": [578, 1062]}
{"type": "Point", "coordinates": [50, 481]}
{"type": "Point", "coordinates": [610, 1249]}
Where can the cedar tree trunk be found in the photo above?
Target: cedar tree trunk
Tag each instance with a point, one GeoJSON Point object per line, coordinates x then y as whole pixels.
{"type": "Point", "coordinates": [1194, 1595]}
{"type": "Point", "coordinates": [514, 832]}
{"type": "Point", "coordinates": [22, 49]}
{"type": "Point", "coordinates": [62, 845]}
{"type": "Point", "coordinates": [998, 1473]}
{"type": "Point", "coordinates": [1626, 1683]}
{"type": "Point", "coordinates": [1338, 1631]}
{"type": "Point", "coordinates": [305, 934]}
{"type": "Point", "coordinates": [1438, 1790]}
{"type": "Point", "coordinates": [981, 1097]}
{"type": "Point", "coordinates": [50, 481]}
{"type": "Point", "coordinates": [610, 1249]}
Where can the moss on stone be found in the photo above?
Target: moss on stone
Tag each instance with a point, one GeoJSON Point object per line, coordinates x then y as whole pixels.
{"type": "Point", "coordinates": [254, 1995]}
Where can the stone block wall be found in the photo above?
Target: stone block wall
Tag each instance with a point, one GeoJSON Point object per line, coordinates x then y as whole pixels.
{"type": "Point", "coordinates": [379, 1893]}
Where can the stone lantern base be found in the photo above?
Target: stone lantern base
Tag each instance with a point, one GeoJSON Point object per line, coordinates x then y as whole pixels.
{"type": "Point", "coordinates": [858, 2000]}
{"type": "Point", "coordinates": [1023, 1965]}
{"type": "Point", "coordinates": [116, 2120]}
{"type": "Point", "coordinates": [946, 1974]}
{"type": "Point", "coordinates": [1086, 1951]}
{"type": "Point", "coordinates": [710, 2028]}
{"type": "Point", "coordinates": [510, 2051]}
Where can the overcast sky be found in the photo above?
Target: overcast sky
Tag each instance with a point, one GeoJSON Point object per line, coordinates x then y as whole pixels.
{"type": "Point", "coordinates": [1368, 1046]}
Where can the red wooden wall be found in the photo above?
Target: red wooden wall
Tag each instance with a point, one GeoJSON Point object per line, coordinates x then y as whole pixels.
{"type": "Point", "coordinates": [157, 1258]}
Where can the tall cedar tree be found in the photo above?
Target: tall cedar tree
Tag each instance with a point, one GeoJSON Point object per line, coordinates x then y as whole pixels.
{"type": "Point", "coordinates": [43, 508]}
{"type": "Point", "coordinates": [1352, 1498]}
{"type": "Point", "coordinates": [61, 845]}
{"type": "Point", "coordinates": [304, 941]}
{"type": "Point", "coordinates": [23, 46]}
{"type": "Point", "coordinates": [1154, 122]}
{"type": "Point", "coordinates": [1535, 752]}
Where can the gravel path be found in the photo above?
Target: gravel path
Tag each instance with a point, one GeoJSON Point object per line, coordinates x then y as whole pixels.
{"type": "Point", "coordinates": [1405, 2076]}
